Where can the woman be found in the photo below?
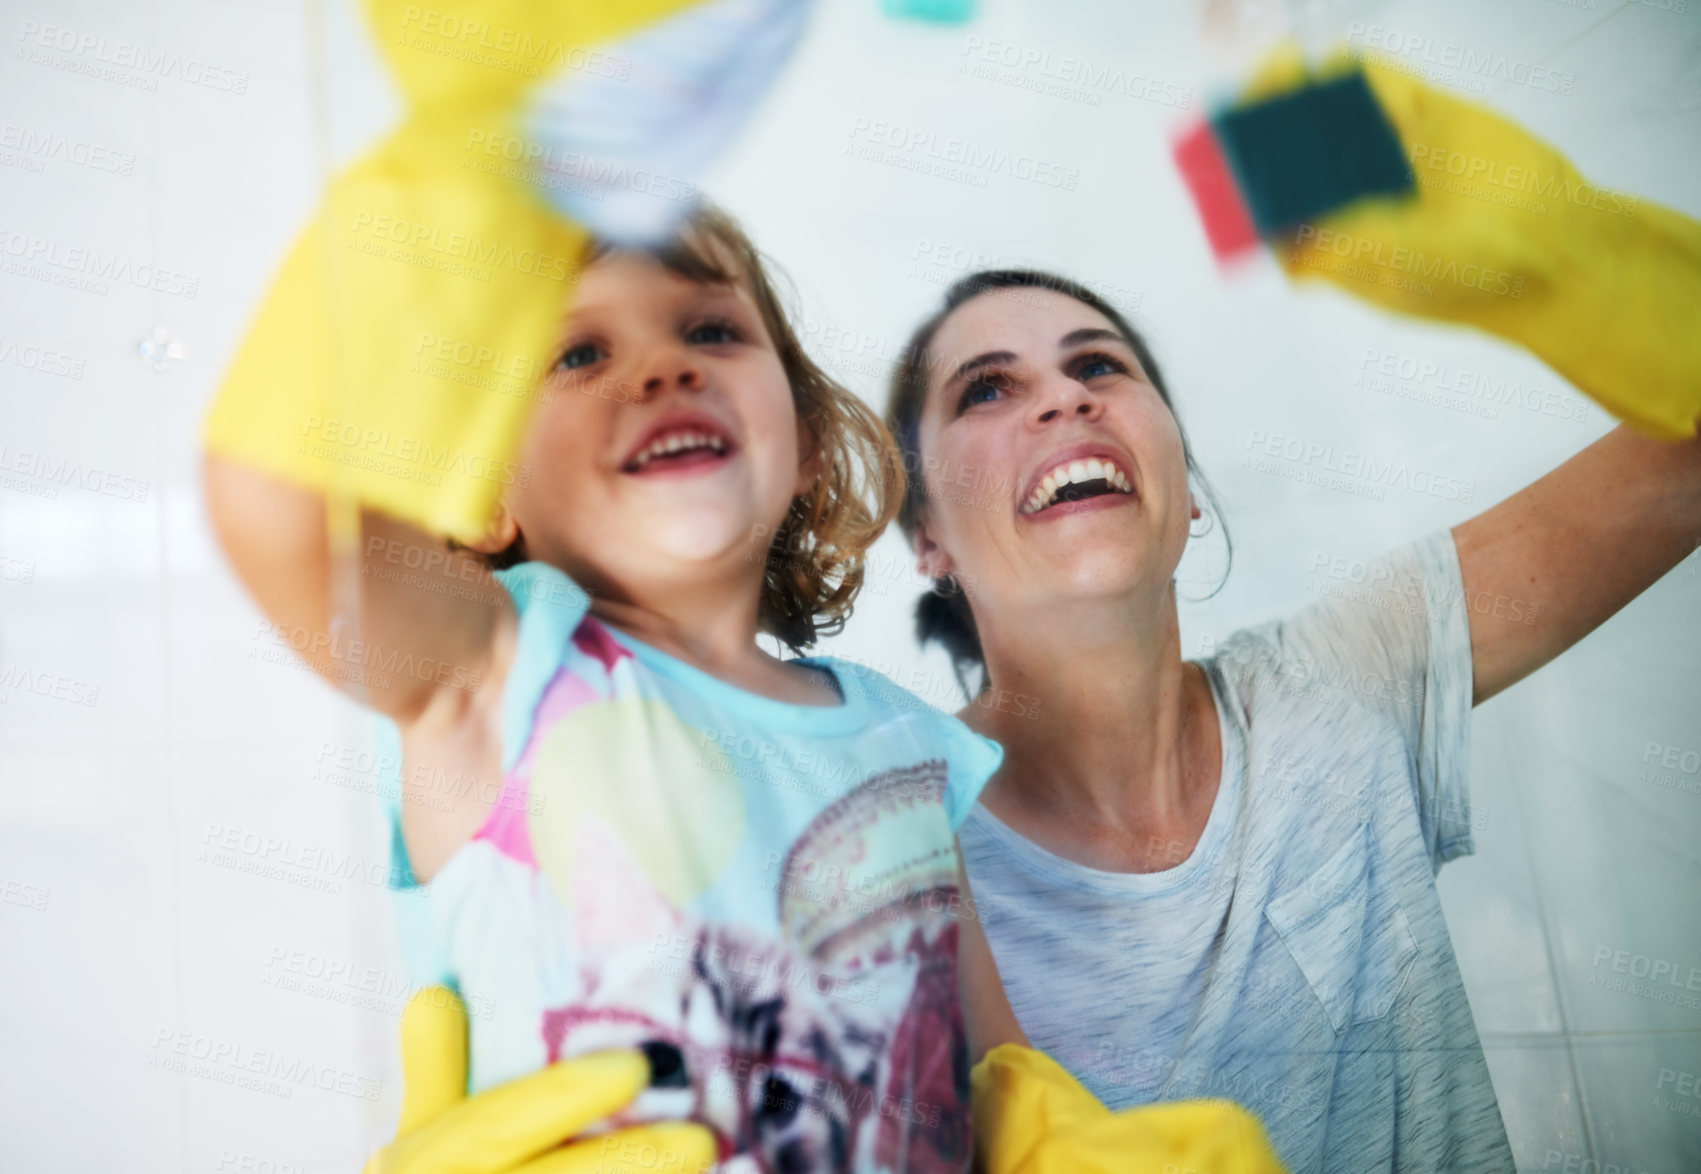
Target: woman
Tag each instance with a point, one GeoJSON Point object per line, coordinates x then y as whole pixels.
{"type": "Point", "coordinates": [1216, 878]}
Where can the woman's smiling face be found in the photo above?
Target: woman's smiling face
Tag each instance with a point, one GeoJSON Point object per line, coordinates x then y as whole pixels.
{"type": "Point", "coordinates": [1053, 467]}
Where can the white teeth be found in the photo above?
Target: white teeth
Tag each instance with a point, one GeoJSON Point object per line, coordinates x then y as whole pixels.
{"type": "Point", "coordinates": [1075, 472]}
{"type": "Point", "coordinates": [677, 442]}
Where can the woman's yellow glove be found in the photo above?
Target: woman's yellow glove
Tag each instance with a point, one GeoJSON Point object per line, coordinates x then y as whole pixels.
{"type": "Point", "coordinates": [1504, 234]}
{"type": "Point", "coordinates": [1032, 1117]}
{"type": "Point", "coordinates": [521, 1127]}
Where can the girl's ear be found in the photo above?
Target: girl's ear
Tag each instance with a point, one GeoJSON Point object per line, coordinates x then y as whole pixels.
{"type": "Point", "coordinates": [809, 460]}
{"type": "Point", "coordinates": [930, 558]}
{"type": "Point", "coordinates": [504, 528]}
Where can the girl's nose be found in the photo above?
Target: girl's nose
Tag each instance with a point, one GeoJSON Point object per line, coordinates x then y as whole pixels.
{"type": "Point", "coordinates": [675, 370]}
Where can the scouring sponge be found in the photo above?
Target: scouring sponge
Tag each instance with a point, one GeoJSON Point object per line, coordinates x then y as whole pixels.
{"type": "Point", "coordinates": [1262, 167]}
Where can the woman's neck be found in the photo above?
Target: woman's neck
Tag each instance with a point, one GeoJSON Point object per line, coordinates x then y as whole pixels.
{"type": "Point", "coordinates": [1120, 766]}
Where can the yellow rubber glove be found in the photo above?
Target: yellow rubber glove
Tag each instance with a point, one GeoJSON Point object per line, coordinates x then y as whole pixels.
{"type": "Point", "coordinates": [1504, 234]}
{"type": "Point", "coordinates": [520, 1127]}
{"type": "Point", "coordinates": [1032, 1117]}
{"type": "Point", "coordinates": [400, 347]}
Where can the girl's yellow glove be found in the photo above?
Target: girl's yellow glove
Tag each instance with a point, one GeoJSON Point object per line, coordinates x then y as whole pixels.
{"type": "Point", "coordinates": [1504, 234]}
{"type": "Point", "coordinates": [524, 1126]}
{"type": "Point", "coordinates": [399, 350]}
{"type": "Point", "coordinates": [1032, 1117]}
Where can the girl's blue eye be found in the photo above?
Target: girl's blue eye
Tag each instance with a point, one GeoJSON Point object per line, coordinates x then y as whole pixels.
{"type": "Point", "coordinates": [710, 333]}
{"type": "Point", "coordinates": [582, 355]}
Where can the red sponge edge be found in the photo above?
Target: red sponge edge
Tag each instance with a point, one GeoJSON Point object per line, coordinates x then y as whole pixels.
{"type": "Point", "coordinates": [1227, 220]}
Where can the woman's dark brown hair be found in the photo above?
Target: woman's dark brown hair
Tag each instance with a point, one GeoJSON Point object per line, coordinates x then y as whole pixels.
{"type": "Point", "coordinates": [943, 614]}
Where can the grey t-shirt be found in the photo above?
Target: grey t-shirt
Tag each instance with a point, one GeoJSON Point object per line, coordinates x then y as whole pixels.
{"type": "Point", "coordinates": [1297, 962]}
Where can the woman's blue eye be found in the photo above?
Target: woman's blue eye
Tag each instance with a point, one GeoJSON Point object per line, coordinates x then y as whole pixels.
{"type": "Point", "coordinates": [582, 355]}
{"type": "Point", "coordinates": [1096, 365]}
{"type": "Point", "coordinates": [712, 332]}
{"type": "Point", "coordinates": [982, 392]}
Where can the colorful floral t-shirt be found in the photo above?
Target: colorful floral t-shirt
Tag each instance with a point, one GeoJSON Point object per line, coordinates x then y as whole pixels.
{"type": "Point", "coordinates": [769, 888]}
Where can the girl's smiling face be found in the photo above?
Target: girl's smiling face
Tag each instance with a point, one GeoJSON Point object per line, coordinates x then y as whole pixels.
{"type": "Point", "coordinates": [668, 446]}
{"type": "Point", "coordinates": [1075, 468]}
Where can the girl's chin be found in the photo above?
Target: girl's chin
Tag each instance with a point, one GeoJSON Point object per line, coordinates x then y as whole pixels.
{"type": "Point", "coordinates": [694, 537]}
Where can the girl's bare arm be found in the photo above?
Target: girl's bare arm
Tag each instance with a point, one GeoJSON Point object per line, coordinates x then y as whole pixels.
{"type": "Point", "coordinates": [424, 630]}
{"type": "Point", "coordinates": [986, 1008]}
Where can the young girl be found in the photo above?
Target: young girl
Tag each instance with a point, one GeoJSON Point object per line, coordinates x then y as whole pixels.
{"type": "Point", "coordinates": [742, 864]}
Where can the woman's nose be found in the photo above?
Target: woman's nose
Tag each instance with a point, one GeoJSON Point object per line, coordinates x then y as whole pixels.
{"type": "Point", "coordinates": [1063, 398]}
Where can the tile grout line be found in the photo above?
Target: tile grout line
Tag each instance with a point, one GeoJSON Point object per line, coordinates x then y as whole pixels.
{"type": "Point", "coordinates": [1557, 1036]}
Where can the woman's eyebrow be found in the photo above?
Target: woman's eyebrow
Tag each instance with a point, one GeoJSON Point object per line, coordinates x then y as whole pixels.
{"type": "Point", "coordinates": [989, 359]}
{"type": "Point", "coordinates": [1089, 334]}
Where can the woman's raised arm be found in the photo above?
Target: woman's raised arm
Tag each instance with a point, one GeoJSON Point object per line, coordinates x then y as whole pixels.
{"type": "Point", "coordinates": [1575, 546]}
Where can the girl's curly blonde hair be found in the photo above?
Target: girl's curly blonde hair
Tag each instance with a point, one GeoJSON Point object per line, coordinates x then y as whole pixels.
{"type": "Point", "coordinates": [816, 560]}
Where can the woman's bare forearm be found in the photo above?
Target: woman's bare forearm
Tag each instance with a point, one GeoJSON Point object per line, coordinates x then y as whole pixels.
{"type": "Point", "coordinates": [1575, 547]}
